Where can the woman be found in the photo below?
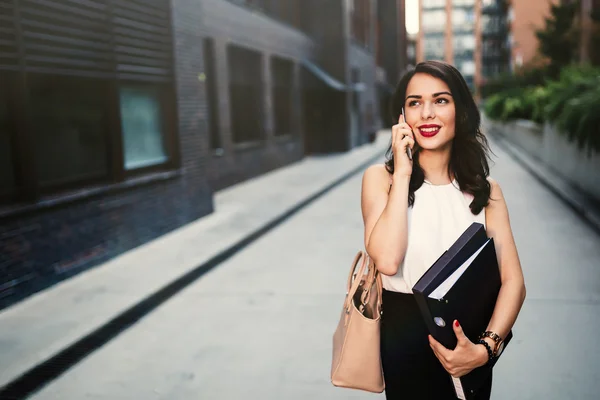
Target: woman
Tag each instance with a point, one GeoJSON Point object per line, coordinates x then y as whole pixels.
{"type": "Point", "coordinates": [413, 210]}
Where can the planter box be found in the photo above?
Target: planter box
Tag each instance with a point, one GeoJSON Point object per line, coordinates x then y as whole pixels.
{"type": "Point", "coordinates": [573, 164]}
{"type": "Point", "coordinates": [552, 149]}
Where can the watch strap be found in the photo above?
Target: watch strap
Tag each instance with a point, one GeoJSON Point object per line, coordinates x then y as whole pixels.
{"type": "Point", "coordinates": [495, 337]}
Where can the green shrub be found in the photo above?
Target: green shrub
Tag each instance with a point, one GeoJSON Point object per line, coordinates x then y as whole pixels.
{"type": "Point", "coordinates": [572, 103]}
{"type": "Point", "coordinates": [539, 98]}
{"type": "Point", "coordinates": [518, 103]}
{"type": "Point", "coordinates": [572, 82]}
{"type": "Point", "coordinates": [575, 110]}
{"type": "Point", "coordinates": [529, 76]}
{"type": "Point", "coordinates": [494, 106]}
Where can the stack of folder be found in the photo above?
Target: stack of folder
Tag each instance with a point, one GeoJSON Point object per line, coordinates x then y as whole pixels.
{"type": "Point", "coordinates": [463, 284]}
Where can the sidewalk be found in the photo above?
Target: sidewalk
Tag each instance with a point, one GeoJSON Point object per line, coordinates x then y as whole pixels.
{"type": "Point", "coordinates": [260, 325]}
{"type": "Point", "coordinates": [45, 324]}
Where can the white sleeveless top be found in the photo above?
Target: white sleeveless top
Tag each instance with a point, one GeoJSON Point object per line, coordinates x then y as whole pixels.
{"type": "Point", "coordinates": [440, 214]}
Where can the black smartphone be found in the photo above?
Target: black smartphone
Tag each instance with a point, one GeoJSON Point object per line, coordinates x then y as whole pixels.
{"type": "Point", "coordinates": [410, 152]}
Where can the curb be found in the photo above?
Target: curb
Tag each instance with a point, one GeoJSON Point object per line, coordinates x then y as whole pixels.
{"type": "Point", "coordinates": [38, 376]}
{"type": "Point", "coordinates": [586, 210]}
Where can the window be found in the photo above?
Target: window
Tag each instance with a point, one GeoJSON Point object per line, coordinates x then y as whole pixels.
{"type": "Point", "coordinates": [463, 2]}
{"type": "Point", "coordinates": [463, 19]}
{"type": "Point", "coordinates": [246, 94]}
{"type": "Point", "coordinates": [283, 94]}
{"type": "Point", "coordinates": [68, 118]}
{"type": "Point", "coordinates": [434, 48]}
{"type": "Point", "coordinates": [72, 117]}
{"type": "Point", "coordinates": [492, 47]}
{"type": "Point", "coordinates": [491, 24]}
{"type": "Point", "coordinates": [491, 70]}
{"type": "Point", "coordinates": [490, 4]}
{"type": "Point", "coordinates": [470, 81]}
{"type": "Point", "coordinates": [467, 68]}
{"type": "Point", "coordinates": [7, 181]}
{"type": "Point", "coordinates": [433, 3]}
{"type": "Point", "coordinates": [464, 43]}
{"type": "Point", "coordinates": [434, 21]}
{"type": "Point", "coordinates": [212, 93]}
{"type": "Point", "coordinates": [142, 127]}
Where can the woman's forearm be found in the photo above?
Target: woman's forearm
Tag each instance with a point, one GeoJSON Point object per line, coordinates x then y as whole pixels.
{"type": "Point", "coordinates": [508, 306]}
{"type": "Point", "coordinates": [389, 237]}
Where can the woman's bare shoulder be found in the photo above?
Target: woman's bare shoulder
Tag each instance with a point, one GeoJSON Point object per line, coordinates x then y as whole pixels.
{"type": "Point", "coordinates": [376, 175]}
{"type": "Point", "coordinates": [495, 190]}
{"type": "Point", "coordinates": [374, 193]}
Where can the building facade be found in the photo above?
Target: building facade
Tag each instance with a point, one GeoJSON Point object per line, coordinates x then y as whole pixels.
{"type": "Point", "coordinates": [119, 119]}
{"type": "Point", "coordinates": [99, 152]}
{"type": "Point", "coordinates": [472, 35]}
{"type": "Point", "coordinates": [392, 52]}
{"type": "Point", "coordinates": [526, 17]}
{"type": "Point", "coordinates": [496, 39]}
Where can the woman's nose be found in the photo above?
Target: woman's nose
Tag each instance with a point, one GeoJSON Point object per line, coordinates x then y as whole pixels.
{"type": "Point", "coordinates": [427, 111]}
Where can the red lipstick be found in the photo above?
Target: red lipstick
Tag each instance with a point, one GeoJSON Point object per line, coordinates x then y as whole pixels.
{"type": "Point", "coordinates": [429, 130]}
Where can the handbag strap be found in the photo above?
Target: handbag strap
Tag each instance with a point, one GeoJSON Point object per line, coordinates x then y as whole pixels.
{"type": "Point", "coordinates": [379, 285]}
{"type": "Point", "coordinates": [352, 285]}
{"type": "Point", "coordinates": [373, 276]}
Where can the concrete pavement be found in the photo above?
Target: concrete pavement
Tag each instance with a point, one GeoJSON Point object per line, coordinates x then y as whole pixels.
{"type": "Point", "coordinates": [260, 325]}
{"type": "Point", "coordinates": [48, 323]}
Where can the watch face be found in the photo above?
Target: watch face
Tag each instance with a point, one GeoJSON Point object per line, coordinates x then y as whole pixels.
{"type": "Point", "coordinates": [500, 348]}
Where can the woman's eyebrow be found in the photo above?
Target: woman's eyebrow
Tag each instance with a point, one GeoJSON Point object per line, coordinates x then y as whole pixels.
{"type": "Point", "coordinates": [434, 95]}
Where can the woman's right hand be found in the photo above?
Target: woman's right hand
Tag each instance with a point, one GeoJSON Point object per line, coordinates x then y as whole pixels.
{"type": "Point", "coordinates": [402, 137]}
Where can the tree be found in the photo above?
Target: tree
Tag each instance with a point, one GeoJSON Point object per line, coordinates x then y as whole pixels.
{"type": "Point", "coordinates": [559, 39]}
{"type": "Point", "coordinates": [594, 44]}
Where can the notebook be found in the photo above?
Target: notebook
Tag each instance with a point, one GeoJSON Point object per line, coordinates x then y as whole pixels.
{"type": "Point", "coordinates": [462, 284]}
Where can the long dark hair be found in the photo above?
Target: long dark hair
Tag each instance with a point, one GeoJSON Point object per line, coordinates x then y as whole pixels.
{"type": "Point", "coordinates": [470, 148]}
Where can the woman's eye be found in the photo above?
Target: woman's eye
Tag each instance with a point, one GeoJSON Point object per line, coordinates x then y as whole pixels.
{"type": "Point", "coordinates": [442, 99]}
{"type": "Point", "coordinates": [412, 103]}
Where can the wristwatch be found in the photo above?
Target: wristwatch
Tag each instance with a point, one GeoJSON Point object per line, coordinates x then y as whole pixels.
{"type": "Point", "coordinates": [498, 342]}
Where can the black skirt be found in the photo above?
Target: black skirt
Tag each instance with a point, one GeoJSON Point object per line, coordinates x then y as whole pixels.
{"type": "Point", "coordinates": [410, 368]}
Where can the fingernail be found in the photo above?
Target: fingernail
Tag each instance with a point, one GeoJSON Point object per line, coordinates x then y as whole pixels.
{"type": "Point", "coordinates": [456, 324]}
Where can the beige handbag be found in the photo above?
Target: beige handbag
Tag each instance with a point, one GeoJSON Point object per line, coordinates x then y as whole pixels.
{"type": "Point", "coordinates": [356, 353]}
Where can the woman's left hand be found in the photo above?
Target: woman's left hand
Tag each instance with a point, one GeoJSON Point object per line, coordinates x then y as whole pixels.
{"type": "Point", "coordinates": [465, 357]}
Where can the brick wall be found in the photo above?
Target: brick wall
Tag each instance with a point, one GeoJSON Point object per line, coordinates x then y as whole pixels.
{"type": "Point", "coordinates": [230, 24]}
{"type": "Point", "coordinates": [363, 61]}
{"type": "Point", "coordinates": [44, 245]}
{"type": "Point", "coordinates": [393, 38]}
{"type": "Point", "coordinates": [528, 17]}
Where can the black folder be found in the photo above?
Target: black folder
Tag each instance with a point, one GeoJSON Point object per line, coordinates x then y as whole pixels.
{"type": "Point", "coordinates": [463, 284]}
